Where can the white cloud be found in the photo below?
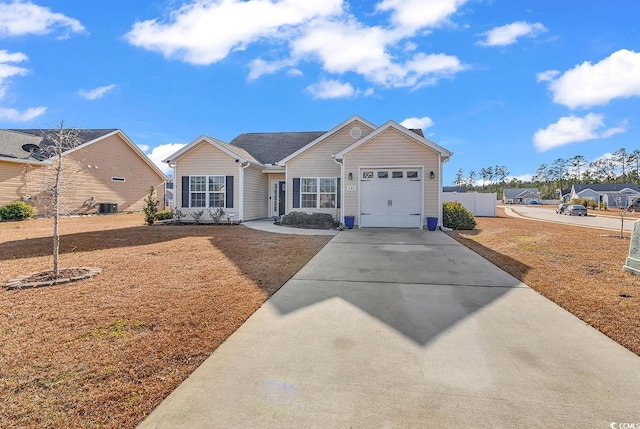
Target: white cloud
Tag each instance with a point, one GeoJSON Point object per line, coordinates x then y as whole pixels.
{"type": "Point", "coordinates": [8, 70]}
{"type": "Point", "coordinates": [587, 84]}
{"type": "Point", "coordinates": [21, 17]}
{"type": "Point", "coordinates": [571, 129]}
{"type": "Point", "coordinates": [547, 76]}
{"type": "Point", "coordinates": [294, 72]}
{"type": "Point", "coordinates": [160, 153]}
{"type": "Point", "coordinates": [206, 31]}
{"type": "Point", "coordinates": [509, 34]}
{"type": "Point", "coordinates": [14, 115]}
{"type": "Point", "coordinates": [96, 93]}
{"type": "Point", "coordinates": [144, 147]}
{"type": "Point", "coordinates": [422, 123]}
{"type": "Point", "coordinates": [412, 15]}
{"type": "Point", "coordinates": [326, 89]}
{"type": "Point", "coordinates": [523, 177]}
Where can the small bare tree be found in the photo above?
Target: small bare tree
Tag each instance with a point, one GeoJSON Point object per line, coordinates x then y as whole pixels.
{"type": "Point", "coordinates": [624, 204]}
{"type": "Point", "coordinates": [55, 143]}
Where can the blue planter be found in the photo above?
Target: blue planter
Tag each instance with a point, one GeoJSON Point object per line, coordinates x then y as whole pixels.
{"type": "Point", "coordinates": [432, 223]}
{"type": "Point", "coordinates": [349, 221]}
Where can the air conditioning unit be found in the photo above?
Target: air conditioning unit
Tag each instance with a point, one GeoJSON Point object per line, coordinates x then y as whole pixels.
{"type": "Point", "coordinates": [107, 208]}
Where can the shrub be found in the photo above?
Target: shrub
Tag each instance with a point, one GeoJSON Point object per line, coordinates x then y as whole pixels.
{"type": "Point", "coordinates": [164, 215]}
{"type": "Point", "coordinates": [308, 220]}
{"type": "Point", "coordinates": [178, 215]}
{"type": "Point", "coordinates": [150, 208]}
{"type": "Point", "coordinates": [456, 216]}
{"type": "Point", "coordinates": [216, 214]}
{"type": "Point", "coordinates": [16, 210]}
{"type": "Point", "coordinates": [197, 215]}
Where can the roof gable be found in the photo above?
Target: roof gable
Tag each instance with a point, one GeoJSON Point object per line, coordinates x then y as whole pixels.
{"type": "Point", "coordinates": [231, 150]}
{"type": "Point", "coordinates": [326, 135]}
{"type": "Point", "coordinates": [394, 125]}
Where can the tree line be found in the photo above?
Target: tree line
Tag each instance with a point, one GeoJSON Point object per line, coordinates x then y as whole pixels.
{"type": "Point", "coordinates": [620, 167]}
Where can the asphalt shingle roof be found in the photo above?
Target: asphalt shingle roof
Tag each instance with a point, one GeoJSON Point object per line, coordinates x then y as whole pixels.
{"type": "Point", "coordinates": [270, 148]}
{"type": "Point", "coordinates": [605, 187]}
{"type": "Point", "coordinates": [12, 142]}
{"type": "Point", "coordinates": [512, 193]}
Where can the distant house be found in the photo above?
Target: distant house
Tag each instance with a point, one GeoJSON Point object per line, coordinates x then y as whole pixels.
{"type": "Point", "coordinates": [613, 194]}
{"type": "Point", "coordinates": [105, 171]}
{"type": "Point", "coordinates": [521, 196]}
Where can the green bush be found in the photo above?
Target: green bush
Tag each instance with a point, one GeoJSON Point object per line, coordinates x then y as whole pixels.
{"type": "Point", "coordinates": [456, 216]}
{"type": "Point", "coordinates": [16, 210]}
{"type": "Point", "coordinates": [308, 220]}
{"type": "Point", "coordinates": [164, 215]}
{"type": "Point", "coordinates": [150, 208]}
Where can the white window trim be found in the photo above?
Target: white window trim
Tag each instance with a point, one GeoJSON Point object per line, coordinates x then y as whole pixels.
{"type": "Point", "coordinates": [207, 192]}
{"type": "Point", "coordinates": [317, 193]}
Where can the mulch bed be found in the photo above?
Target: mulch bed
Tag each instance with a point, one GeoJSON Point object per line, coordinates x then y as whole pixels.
{"type": "Point", "coordinates": [580, 269]}
{"type": "Point", "coordinates": [104, 352]}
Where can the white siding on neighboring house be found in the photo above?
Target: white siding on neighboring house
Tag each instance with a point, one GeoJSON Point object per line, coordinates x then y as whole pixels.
{"type": "Point", "coordinates": [318, 162]}
{"type": "Point", "coordinates": [393, 149]}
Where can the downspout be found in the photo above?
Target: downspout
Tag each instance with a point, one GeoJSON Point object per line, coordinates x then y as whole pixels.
{"type": "Point", "coordinates": [342, 186]}
{"type": "Point", "coordinates": [241, 192]}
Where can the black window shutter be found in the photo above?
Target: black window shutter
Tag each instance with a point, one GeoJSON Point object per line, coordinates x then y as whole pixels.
{"type": "Point", "coordinates": [338, 192]}
{"type": "Point", "coordinates": [296, 192]}
{"type": "Point", "coordinates": [185, 191]}
{"type": "Point", "coordinates": [229, 192]}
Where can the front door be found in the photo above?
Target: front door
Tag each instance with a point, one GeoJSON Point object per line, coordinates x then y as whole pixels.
{"type": "Point", "coordinates": [278, 200]}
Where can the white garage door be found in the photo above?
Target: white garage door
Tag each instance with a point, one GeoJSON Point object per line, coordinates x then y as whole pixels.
{"type": "Point", "coordinates": [391, 198]}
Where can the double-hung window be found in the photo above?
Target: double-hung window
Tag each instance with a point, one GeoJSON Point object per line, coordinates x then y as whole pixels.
{"type": "Point", "coordinates": [206, 191]}
{"type": "Point", "coordinates": [309, 192]}
{"type": "Point", "coordinates": [216, 191]}
{"type": "Point", "coordinates": [318, 192]}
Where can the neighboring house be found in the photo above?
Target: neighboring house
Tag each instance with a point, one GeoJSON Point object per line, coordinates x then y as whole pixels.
{"type": "Point", "coordinates": [386, 176]}
{"type": "Point", "coordinates": [106, 169]}
{"type": "Point", "coordinates": [613, 194]}
{"type": "Point", "coordinates": [564, 195]}
{"type": "Point", "coordinates": [521, 196]}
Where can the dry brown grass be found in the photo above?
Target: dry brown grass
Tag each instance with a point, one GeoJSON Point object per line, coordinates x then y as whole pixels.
{"type": "Point", "coordinates": [580, 269]}
{"type": "Point", "coordinates": [104, 352]}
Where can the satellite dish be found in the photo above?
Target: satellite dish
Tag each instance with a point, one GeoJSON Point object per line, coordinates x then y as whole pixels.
{"type": "Point", "coordinates": [30, 147]}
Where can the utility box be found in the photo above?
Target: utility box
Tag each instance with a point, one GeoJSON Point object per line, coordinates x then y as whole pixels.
{"type": "Point", "coordinates": [107, 208]}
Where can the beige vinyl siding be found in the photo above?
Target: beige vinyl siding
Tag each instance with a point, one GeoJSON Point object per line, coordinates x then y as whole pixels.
{"type": "Point", "coordinates": [14, 183]}
{"type": "Point", "coordinates": [86, 179]}
{"type": "Point", "coordinates": [206, 160]}
{"type": "Point", "coordinates": [392, 149]}
{"type": "Point", "coordinates": [256, 194]}
{"type": "Point", "coordinates": [318, 162]}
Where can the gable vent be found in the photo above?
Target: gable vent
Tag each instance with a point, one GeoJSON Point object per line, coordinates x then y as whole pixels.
{"type": "Point", "coordinates": [356, 132]}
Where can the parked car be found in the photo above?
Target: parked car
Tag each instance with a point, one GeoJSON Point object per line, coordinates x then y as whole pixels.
{"type": "Point", "coordinates": [560, 208]}
{"type": "Point", "coordinates": [575, 210]}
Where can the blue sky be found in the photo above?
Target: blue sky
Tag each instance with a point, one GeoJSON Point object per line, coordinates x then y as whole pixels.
{"type": "Point", "coordinates": [497, 82]}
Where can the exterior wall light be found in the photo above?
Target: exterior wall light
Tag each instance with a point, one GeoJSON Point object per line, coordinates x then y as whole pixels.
{"type": "Point", "coordinates": [350, 176]}
{"type": "Point", "coordinates": [432, 176]}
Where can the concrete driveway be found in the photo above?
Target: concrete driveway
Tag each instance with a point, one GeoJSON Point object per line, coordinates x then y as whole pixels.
{"type": "Point", "coordinates": [403, 329]}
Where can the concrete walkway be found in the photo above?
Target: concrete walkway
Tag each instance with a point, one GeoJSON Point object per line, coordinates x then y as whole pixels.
{"type": "Point", "coordinates": [269, 226]}
{"type": "Point", "coordinates": [407, 329]}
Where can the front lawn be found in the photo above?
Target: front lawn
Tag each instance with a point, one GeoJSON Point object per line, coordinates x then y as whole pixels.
{"type": "Point", "coordinates": [104, 352]}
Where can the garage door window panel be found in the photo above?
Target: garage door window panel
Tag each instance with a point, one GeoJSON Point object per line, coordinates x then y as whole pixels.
{"type": "Point", "coordinates": [397, 174]}
{"type": "Point", "coordinates": [383, 174]}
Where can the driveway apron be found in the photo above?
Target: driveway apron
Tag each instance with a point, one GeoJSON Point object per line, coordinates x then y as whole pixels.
{"type": "Point", "coordinates": [407, 328]}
